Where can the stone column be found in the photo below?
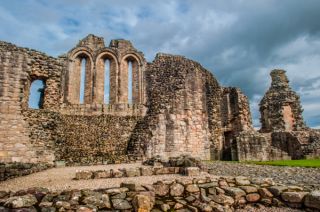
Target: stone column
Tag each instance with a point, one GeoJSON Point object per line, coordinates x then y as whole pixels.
{"type": "Point", "coordinates": [88, 88]}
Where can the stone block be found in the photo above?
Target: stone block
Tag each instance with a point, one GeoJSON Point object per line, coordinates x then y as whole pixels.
{"type": "Point", "coordinates": [146, 171]}
{"type": "Point", "coordinates": [249, 189]}
{"type": "Point", "coordinates": [142, 203]}
{"type": "Point", "coordinates": [130, 185]}
{"type": "Point", "coordinates": [253, 197]}
{"type": "Point", "coordinates": [277, 190]}
{"type": "Point", "coordinates": [161, 188]}
{"type": "Point", "coordinates": [192, 188]}
{"type": "Point", "coordinates": [176, 190]}
{"type": "Point", "coordinates": [293, 197]}
{"type": "Point", "coordinates": [222, 199]}
{"type": "Point", "coordinates": [241, 181]}
{"type": "Point", "coordinates": [102, 174]}
{"type": "Point", "coordinates": [265, 193]}
{"type": "Point", "coordinates": [121, 204]}
{"type": "Point", "coordinates": [234, 192]}
{"type": "Point", "coordinates": [192, 171]}
{"type": "Point", "coordinates": [132, 172]}
{"type": "Point", "coordinates": [83, 175]}
{"type": "Point", "coordinates": [117, 173]}
{"type": "Point", "coordinates": [312, 200]}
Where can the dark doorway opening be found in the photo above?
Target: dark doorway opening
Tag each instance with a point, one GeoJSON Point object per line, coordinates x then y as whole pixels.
{"type": "Point", "coordinates": [227, 146]}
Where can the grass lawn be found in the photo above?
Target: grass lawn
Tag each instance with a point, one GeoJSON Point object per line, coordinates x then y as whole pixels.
{"type": "Point", "coordinates": [302, 163]}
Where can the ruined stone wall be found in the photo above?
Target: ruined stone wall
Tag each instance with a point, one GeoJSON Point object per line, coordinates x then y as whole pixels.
{"type": "Point", "coordinates": [283, 134]}
{"type": "Point", "coordinates": [18, 68]}
{"type": "Point", "coordinates": [280, 145]}
{"type": "Point", "coordinates": [236, 115]}
{"type": "Point", "coordinates": [252, 146]}
{"type": "Point", "coordinates": [42, 126]}
{"type": "Point", "coordinates": [183, 114]}
{"type": "Point", "coordinates": [236, 118]}
{"type": "Point", "coordinates": [79, 139]}
{"type": "Point", "coordinates": [297, 144]}
{"type": "Point", "coordinates": [93, 139]}
{"type": "Point", "coordinates": [49, 134]}
{"type": "Point", "coordinates": [119, 54]}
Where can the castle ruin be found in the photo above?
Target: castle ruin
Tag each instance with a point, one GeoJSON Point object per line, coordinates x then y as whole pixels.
{"type": "Point", "coordinates": [172, 106]}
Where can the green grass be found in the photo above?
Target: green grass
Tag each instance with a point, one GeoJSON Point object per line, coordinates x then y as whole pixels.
{"type": "Point", "coordinates": [301, 163]}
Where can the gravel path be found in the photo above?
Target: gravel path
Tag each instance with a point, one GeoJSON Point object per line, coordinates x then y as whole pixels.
{"type": "Point", "coordinates": [61, 178]}
{"type": "Point", "coordinates": [306, 177]}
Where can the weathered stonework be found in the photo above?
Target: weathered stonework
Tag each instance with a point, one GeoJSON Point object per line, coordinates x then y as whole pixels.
{"type": "Point", "coordinates": [280, 108]}
{"type": "Point", "coordinates": [177, 107]}
{"type": "Point", "coordinates": [283, 134]}
{"type": "Point", "coordinates": [182, 98]}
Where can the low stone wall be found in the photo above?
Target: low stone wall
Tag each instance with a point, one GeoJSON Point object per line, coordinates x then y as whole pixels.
{"type": "Point", "coordinates": [12, 170]}
{"type": "Point", "coordinates": [279, 145]}
{"type": "Point", "coordinates": [135, 172]}
{"type": "Point", "coordinates": [199, 194]}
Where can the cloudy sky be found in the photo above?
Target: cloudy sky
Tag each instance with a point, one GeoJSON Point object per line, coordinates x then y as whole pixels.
{"type": "Point", "coordinates": [240, 41]}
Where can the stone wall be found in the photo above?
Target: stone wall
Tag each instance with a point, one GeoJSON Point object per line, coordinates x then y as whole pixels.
{"type": "Point", "coordinates": [183, 115]}
{"type": "Point", "coordinates": [18, 68]}
{"type": "Point", "coordinates": [251, 146]}
{"type": "Point", "coordinates": [93, 139]}
{"type": "Point", "coordinates": [28, 135]}
{"type": "Point", "coordinates": [79, 140]}
{"type": "Point", "coordinates": [198, 194]}
{"type": "Point", "coordinates": [12, 170]}
{"type": "Point", "coordinates": [281, 145]}
{"type": "Point", "coordinates": [236, 115]}
{"type": "Point", "coordinates": [236, 118]}
{"type": "Point", "coordinates": [297, 144]}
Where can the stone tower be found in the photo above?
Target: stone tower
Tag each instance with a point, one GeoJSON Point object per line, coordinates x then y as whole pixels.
{"type": "Point", "coordinates": [280, 107]}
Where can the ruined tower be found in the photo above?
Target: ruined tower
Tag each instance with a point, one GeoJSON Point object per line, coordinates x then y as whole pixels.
{"type": "Point", "coordinates": [280, 107]}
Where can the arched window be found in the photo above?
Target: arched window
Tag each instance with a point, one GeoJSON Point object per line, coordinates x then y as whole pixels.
{"type": "Point", "coordinates": [36, 94]}
{"type": "Point", "coordinates": [82, 79]}
{"type": "Point", "coordinates": [79, 81]}
{"type": "Point", "coordinates": [106, 95]}
{"type": "Point", "coordinates": [130, 87]}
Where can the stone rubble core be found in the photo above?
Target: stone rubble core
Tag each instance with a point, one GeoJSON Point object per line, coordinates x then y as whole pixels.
{"type": "Point", "coordinates": [197, 194]}
{"type": "Point", "coordinates": [177, 107]}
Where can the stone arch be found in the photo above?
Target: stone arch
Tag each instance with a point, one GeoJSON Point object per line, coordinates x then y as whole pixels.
{"type": "Point", "coordinates": [137, 79]}
{"type": "Point", "coordinates": [100, 77]}
{"type": "Point", "coordinates": [74, 76]}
